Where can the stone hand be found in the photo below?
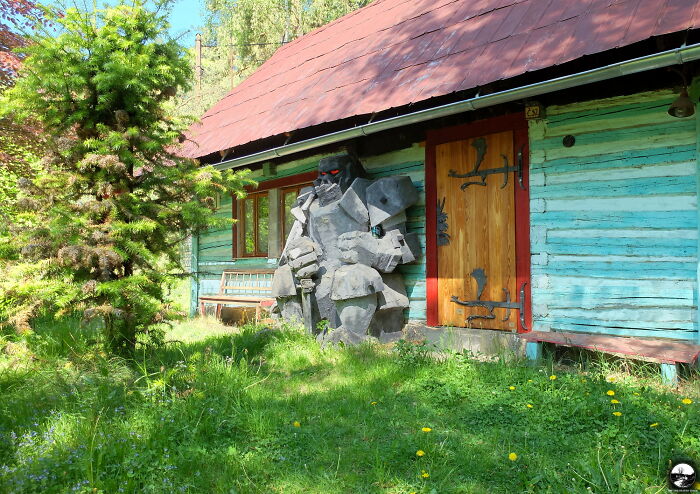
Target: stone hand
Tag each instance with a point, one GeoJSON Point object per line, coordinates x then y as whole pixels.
{"type": "Point", "coordinates": [302, 255]}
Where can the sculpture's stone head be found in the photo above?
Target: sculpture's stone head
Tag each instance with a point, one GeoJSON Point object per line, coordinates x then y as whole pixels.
{"type": "Point", "coordinates": [341, 169]}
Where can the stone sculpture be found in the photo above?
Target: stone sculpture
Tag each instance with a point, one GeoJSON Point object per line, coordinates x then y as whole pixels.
{"type": "Point", "coordinates": [338, 263]}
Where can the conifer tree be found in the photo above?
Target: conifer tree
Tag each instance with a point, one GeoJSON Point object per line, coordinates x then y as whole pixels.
{"type": "Point", "coordinates": [113, 200]}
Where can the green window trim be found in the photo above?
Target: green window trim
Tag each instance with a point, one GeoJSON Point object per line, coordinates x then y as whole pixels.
{"type": "Point", "coordinates": [253, 225]}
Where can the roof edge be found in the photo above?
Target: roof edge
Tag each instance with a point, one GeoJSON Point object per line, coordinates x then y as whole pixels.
{"type": "Point", "coordinates": [667, 58]}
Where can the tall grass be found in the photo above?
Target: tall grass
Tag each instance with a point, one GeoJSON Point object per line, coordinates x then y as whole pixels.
{"type": "Point", "coordinates": [258, 410]}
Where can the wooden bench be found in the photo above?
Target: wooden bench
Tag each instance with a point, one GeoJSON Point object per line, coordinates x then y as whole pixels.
{"type": "Point", "coordinates": [241, 288]}
{"type": "Point", "coordinates": [668, 353]}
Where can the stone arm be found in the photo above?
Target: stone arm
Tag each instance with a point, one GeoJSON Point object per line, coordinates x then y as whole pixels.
{"type": "Point", "coordinates": [383, 254]}
{"type": "Point", "coordinates": [300, 252]}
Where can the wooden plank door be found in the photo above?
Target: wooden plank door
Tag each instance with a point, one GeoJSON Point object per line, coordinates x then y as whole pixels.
{"type": "Point", "coordinates": [476, 251]}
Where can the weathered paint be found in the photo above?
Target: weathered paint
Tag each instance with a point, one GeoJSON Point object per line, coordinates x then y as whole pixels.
{"type": "Point", "coordinates": [194, 280]}
{"type": "Point", "coordinates": [669, 374]}
{"type": "Point", "coordinates": [696, 81]}
{"type": "Point", "coordinates": [614, 219]}
{"type": "Point", "coordinates": [215, 247]}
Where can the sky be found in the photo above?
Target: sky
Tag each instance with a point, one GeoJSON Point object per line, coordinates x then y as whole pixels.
{"type": "Point", "coordinates": [185, 19]}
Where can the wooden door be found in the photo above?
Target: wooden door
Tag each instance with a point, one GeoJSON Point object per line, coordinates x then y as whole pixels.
{"type": "Point", "coordinates": [476, 251]}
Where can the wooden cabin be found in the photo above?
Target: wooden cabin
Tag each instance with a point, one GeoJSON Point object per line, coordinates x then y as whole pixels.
{"type": "Point", "coordinates": [553, 143]}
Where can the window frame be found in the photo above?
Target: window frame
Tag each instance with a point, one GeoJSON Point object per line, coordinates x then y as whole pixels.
{"type": "Point", "coordinates": [282, 192]}
{"type": "Point", "coordinates": [257, 252]}
{"type": "Point", "coordinates": [301, 179]}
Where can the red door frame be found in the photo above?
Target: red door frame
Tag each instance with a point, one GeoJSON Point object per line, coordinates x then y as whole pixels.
{"type": "Point", "coordinates": [518, 124]}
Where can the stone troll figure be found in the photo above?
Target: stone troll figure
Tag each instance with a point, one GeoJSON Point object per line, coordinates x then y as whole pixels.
{"type": "Point", "coordinates": [338, 263]}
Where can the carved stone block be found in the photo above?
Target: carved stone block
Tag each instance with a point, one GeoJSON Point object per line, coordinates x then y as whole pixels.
{"type": "Point", "coordinates": [283, 283]}
{"type": "Point", "coordinates": [389, 196]}
{"type": "Point", "coordinates": [328, 193]}
{"type": "Point", "coordinates": [387, 321]}
{"type": "Point", "coordinates": [356, 314]}
{"type": "Point", "coordinates": [394, 293]}
{"type": "Point", "coordinates": [355, 280]}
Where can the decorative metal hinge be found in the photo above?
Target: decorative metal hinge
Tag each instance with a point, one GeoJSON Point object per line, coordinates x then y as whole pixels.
{"type": "Point", "coordinates": [443, 238]}
{"type": "Point", "coordinates": [519, 168]}
{"type": "Point", "coordinates": [480, 146]}
{"type": "Point", "coordinates": [480, 276]}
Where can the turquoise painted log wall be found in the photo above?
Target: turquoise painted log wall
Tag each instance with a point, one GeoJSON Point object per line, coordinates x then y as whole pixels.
{"type": "Point", "coordinates": [213, 252]}
{"type": "Point", "coordinates": [614, 219]}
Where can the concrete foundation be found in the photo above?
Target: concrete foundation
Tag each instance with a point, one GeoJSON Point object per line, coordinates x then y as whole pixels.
{"type": "Point", "coordinates": [478, 341]}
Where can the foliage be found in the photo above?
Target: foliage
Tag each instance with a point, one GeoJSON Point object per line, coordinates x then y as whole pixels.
{"type": "Point", "coordinates": [412, 353]}
{"type": "Point", "coordinates": [16, 17]}
{"type": "Point", "coordinates": [18, 143]}
{"type": "Point", "coordinates": [99, 226]}
{"type": "Point", "coordinates": [216, 412]}
{"type": "Point", "coordinates": [239, 35]}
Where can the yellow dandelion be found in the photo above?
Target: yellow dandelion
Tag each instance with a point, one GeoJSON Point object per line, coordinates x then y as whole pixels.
{"type": "Point", "coordinates": [420, 452]}
{"type": "Point", "coordinates": [528, 405]}
{"type": "Point", "coordinates": [529, 380]}
{"type": "Point", "coordinates": [614, 402]}
{"type": "Point", "coordinates": [424, 474]}
{"type": "Point", "coordinates": [296, 423]}
{"type": "Point", "coordinates": [610, 392]}
{"type": "Point", "coordinates": [686, 401]}
{"type": "Point", "coordinates": [617, 414]}
{"type": "Point", "coordinates": [552, 377]}
{"type": "Point", "coordinates": [635, 393]}
{"type": "Point", "coordinates": [511, 388]}
{"type": "Point", "coordinates": [512, 457]}
{"type": "Point", "coordinates": [611, 379]}
{"type": "Point", "coordinates": [374, 403]}
{"type": "Point", "coordinates": [426, 429]}
{"type": "Point", "coordinates": [655, 424]}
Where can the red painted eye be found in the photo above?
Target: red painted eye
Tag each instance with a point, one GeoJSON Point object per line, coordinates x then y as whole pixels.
{"type": "Point", "coordinates": [323, 173]}
{"type": "Point", "coordinates": [335, 172]}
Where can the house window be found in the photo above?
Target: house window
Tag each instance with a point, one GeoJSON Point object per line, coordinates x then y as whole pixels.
{"type": "Point", "coordinates": [254, 225]}
{"type": "Point", "coordinates": [288, 197]}
{"type": "Point", "coordinates": [252, 229]}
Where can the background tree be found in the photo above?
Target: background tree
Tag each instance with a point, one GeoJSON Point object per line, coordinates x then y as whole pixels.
{"type": "Point", "coordinates": [16, 17]}
{"type": "Point", "coordinates": [18, 143]}
{"type": "Point", "coordinates": [239, 35]}
{"type": "Point", "coordinates": [113, 200]}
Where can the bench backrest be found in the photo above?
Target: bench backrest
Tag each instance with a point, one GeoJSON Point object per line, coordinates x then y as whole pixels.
{"type": "Point", "coordinates": [253, 282]}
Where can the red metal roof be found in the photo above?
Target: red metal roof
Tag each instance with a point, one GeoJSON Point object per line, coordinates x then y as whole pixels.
{"type": "Point", "coordinates": [395, 52]}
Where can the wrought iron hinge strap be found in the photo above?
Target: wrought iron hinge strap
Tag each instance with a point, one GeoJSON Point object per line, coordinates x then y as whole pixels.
{"type": "Point", "coordinates": [490, 305]}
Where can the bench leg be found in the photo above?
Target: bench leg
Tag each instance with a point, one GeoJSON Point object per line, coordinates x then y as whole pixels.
{"type": "Point", "coordinates": [202, 309]}
{"type": "Point", "coordinates": [533, 350]}
{"type": "Point", "coordinates": [669, 374]}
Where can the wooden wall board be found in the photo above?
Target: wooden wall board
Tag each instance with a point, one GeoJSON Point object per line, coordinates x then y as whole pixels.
{"type": "Point", "coordinates": [614, 235]}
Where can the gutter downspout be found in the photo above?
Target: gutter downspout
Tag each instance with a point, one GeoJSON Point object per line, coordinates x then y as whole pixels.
{"type": "Point", "coordinates": [676, 56]}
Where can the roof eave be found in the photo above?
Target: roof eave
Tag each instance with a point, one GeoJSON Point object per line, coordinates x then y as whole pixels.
{"type": "Point", "coordinates": [676, 56]}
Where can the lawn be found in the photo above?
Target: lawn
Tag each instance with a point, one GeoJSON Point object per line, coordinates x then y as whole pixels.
{"type": "Point", "coordinates": [248, 411]}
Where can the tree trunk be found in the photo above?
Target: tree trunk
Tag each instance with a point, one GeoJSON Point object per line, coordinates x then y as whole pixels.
{"type": "Point", "coordinates": [121, 337]}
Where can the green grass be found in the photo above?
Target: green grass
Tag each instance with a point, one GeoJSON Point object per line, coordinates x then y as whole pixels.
{"type": "Point", "coordinates": [215, 409]}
